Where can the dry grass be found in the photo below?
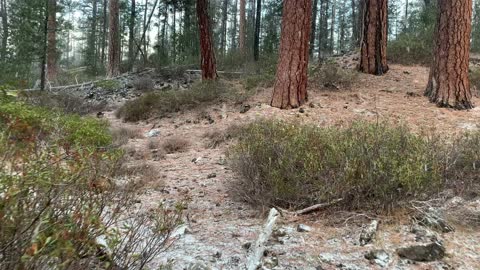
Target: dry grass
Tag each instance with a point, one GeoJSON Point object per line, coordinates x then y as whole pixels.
{"type": "Point", "coordinates": [175, 145]}
{"type": "Point", "coordinates": [122, 135]}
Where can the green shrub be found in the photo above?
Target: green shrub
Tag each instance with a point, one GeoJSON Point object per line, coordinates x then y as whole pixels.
{"type": "Point", "coordinates": [107, 84]}
{"type": "Point", "coordinates": [59, 205]}
{"type": "Point", "coordinates": [474, 76]}
{"type": "Point", "coordinates": [369, 166]}
{"type": "Point", "coordinates": [160, 104]}
{"type": "Point", "coordinates": [331, 76]}
{"type": "Point", "coordinates": [411, 49]}
{"type": "Point", "coordinates": [68, 103]}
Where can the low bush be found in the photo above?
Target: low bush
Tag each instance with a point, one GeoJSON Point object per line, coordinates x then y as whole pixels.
{"type": "Point", "coordinates": [369, 166]}
{"type": "Point", "coordinates": [68, 103]}
{"type": "Point", "coordinates": [160, 104]}
{"type": "Point", "coordinates": [143, 84]}
{"type": "Point", "coordinates": [174, 145]}
{"type": "Point", "coordinates": [60, 207]}
{"type": "Point", "coordinates": [331, 76]}
{"type": "Point", "coordinates": [474, 76]}
{"type": "Point", "coordinates": [410, 49]}
{"type": "Point", "coordinates": [123, 134]}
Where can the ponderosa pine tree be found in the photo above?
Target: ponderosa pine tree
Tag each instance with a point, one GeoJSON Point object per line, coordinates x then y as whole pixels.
{"type": "Point", "coordinates": [113, 67]}
{"type": "Point", "coordinates": [290, 89]}
{"type": "Point", "coordinates": [256, 41]}
{"type": "Point", "coordinates": [131, 35]}
{"type": "Point", "coordinates": [448, 84]}
{"type": "Point", "coordinates": [373, 58]}
{"type": "Point", "coordinates": [242, 31]}
{"type": "Point", "coordinates": [208, 62]}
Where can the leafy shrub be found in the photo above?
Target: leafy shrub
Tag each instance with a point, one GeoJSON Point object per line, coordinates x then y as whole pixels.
{"type": "Point", "coordinates": [160, 104]}
{"type": "Point", "coordinates": [59, 207]}
{"type": "Point", "coordinates": [367, 165]}
{"type": "Point", "coordinates": [331, 76]}
{"type": "Point", "coordinates": [474, 76]}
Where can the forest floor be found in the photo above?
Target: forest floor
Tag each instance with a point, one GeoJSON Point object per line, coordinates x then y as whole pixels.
{"type": "Point", "coordinates": [219, 227]}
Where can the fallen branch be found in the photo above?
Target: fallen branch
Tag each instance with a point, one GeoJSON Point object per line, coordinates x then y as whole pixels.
{"type": "Point", "coordinates": [254, 259]}
{"type": "Point", "coordinates": [310, 209]}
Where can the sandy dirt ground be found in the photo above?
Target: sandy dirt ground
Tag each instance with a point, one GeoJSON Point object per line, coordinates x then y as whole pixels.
{"type": "Point", "coordinates": [218, 228]}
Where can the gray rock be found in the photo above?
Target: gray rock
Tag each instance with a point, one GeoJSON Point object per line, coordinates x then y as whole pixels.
{"type": "Point", "coordinates": [434, 220]}
{"type": "Point", "coordinates": [423, 234]}
{"type": "Point", "coordinates": [212, 175]}
{"type": "Point", "coordinates": [423, 252]}
{"type": "Point", "coordinates": [303, 228]}
{"type": "Point", "coordinates": [153, 133]}
{"type": "Point", "coordinates": [245, 108]}
{"type": "Point", "coordinates": [368, 234]}
{"type": "Point", "coordinates": [379, 257]}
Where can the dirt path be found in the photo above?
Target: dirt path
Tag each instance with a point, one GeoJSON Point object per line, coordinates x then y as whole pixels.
{"type": "Point", "coordinates": [218, 227]}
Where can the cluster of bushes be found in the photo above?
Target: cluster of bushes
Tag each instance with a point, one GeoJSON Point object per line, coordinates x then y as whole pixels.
{"type": "Point", "coordinates": [333, 77]}
{"type": "Point", "coordinates": [160, 104]}
{"type": "Point", "coordinates": [368, 166]}
{"type": "Point", "coordinates": [59, 205]}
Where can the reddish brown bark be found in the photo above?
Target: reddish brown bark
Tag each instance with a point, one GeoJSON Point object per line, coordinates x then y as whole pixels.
{"type": "Point", "coordinates": [52, 41]}
{"type": "Point", "coordinates": [113, 67]}
{"type": "Point", "coordinates": [242, 35]}
{"type": "Point", "coordinates": [208, 62]}
{"type": "Point", "coordinates": [373, 58]}
{"type": "Point", "coordinates": [290, 89]}
{"type": "Point", "coordinates": [448, 84]}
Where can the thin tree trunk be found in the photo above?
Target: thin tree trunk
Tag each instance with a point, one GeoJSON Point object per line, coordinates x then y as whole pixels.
{"type": "Point", "coordinates": [208, 62]}
{"type": "Point", "coordinates": [332, 27]}
{"type": "Point", "coordinates": [145, 29]}
{"type": "Point", "coordinates": [114, 39]}
{"type": "Point", "coordinates": [131, 38]}
{"type": "Point", "coordinates": [52, 41]}
{"type": "Point", "coordinates": [242, 34]}
{"type": "Point", "coordinates": [448, 84]}
{"type": "Point", "coordinates": [313, 27]}
{"type": "Point", "coordinates": [174, 33]}
{"type": "Point", "coordinates": [233, 37]}
{"type": "Point", "coordinates": [323, 31]}
{"type": "Point", "coordinates": [223, 38]}
{"type": "Point", "coordinates": [290, 89]}
{"type": "Point", "coordinates": [373, 58]}
{"type": "Point", "coordinates": [3, 51]}
{"type": "Point", "coordinates": [405, 20]}
{"type": "Point", "coordinates": [91, 60]}
{"type": "Point", "coordinates": [256, 41]}
{"type": "Point", "coordinates": [43, 64]}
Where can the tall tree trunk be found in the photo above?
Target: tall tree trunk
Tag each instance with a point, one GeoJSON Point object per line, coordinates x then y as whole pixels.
{"type": "Point", "coordinates": [208, 62]}
{"type": "Point", "coordinates": [145, 29]}
{"type": "Point", "coordinates": [356, 13]}
{"type": "Point", "coordinates": [174, 33]}
{"type": "Point", "coordinates": [3, 50]}
{"type": "Point", "coordinates": [242, 31]}
{"type": "Point", "coordinates": [323, 31]}
{"type": "Point", "coordinates": [405, 19]}
{"type": "Point", "coordinates": [256, 41]}
{"type": "Point", "coordinates": [131, 37]}
{"type": "Point", "coordinates": [91, 60]}
{"type": "Point", "coordinates": [290, 89]}
{"type": "Point", "coordinates": [233, 33]}
{"type": "Point", "coordinates": [104, 32]}
{"type": "Point", "coordinates": [332, 27]}
{"type": "Point", "coordinates": [448, 84]}
{"type": "Point", "coordinates": [223, 38]}
{"type": "Point", "coordinates": [313, 27]}
{"type": "Point", "coordinates": [373, 58]}
{"type": "Point", "coordinates": [52, 41]}
{"type": "Point", "coordinates": [114, 39]}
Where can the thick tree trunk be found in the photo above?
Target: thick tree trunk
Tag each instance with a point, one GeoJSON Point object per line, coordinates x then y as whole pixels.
{"type": "Point", "coordinates": [448, 84]}
{"type": "Point", "coordinates": [3, 51]}
{"type": "Point", "coordinates": [52, 41]}
{"type": "Point", "coordinates": [290, 89]}
{"type": "Point", "coordinates": [223, 39]}
{"type": "Point", "coordinates": [242, 32]}
{"type": "Point", "coordinates": [131, 37]}
{"type": "Point", "coordinates": [256, 41]}
{"type": "Point", "coordinates": [208, 63]}
{"type": "Point", "coordinates": [373, 58]}
{"type": "Point", "coordinates": [113, 68]}
{"type": "Point", "coordinates": [91, 59]}
{"type": "Point", "coordinates": [313, 27]}
{"type": "Point", "coordinates": [104, 33]}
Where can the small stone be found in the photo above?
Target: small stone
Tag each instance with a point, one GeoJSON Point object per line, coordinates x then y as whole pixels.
{"type": "Point", "coordinates": [423, 252]}
{"type": "Point", "coordinates": [153, 133]}
{"type": "Point", "coordinates": [100, 115]}
{"type": "Point", "coordinates": [368, 234]}
{"type": "Point", "coordinates": [247, 245]}
{"type": "Point", "coordinates": [379, 257]}
{"type": "Point", "coordinates": [217, 255]}
{"type": "Point", "coordinates": [301, 110]}
{"type": "Point", "coordinates": [311, 105]}
{"type": "Point", "coordinates": [245, 108]}
{"type": "Point", "coordinates": [212, 175]}
{"type": "Point", "coordinates": [303, 228]}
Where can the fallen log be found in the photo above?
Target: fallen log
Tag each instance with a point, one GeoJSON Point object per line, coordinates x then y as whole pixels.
{"type": "Point", "coordinates": [254, 259]}
{"type": "Point", "coordinates": [309, 209]}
